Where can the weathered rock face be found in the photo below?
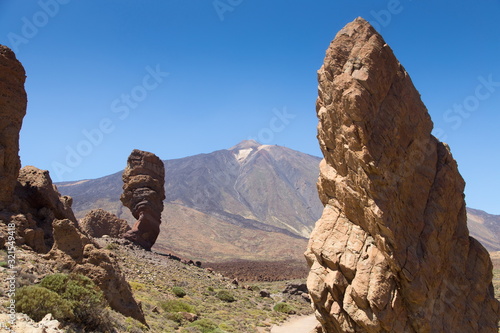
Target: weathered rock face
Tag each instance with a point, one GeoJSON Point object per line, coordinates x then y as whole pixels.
{"type": "Point", "coordinates": [13, 103]}
{"type": "Point", "coordinates": [391, 252]}
{"type": "Point", "coordinates": [75, 252]}
{"type": "Point", "coordinates": [143, 193]}
{"type": "Point", "coordinates": [98, 223]}
{"type": "Point", "coordinates": [40, 203]}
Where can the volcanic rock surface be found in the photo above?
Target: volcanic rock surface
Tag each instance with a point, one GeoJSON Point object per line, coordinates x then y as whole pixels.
{"type": "Point", "coordinates": [13, 102]}
{"type": "Point", "coordinates": [143, 193]}
{"type": "Point", "coordinates": [391, 252]}
{"type": "Point", "coordinates": [98, 223]}
{"type": "Point", "coordinates": [73, 251]}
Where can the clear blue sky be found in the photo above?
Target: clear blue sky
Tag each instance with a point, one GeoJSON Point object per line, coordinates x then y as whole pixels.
{"type": "Point", "coordinates": [237, 69]}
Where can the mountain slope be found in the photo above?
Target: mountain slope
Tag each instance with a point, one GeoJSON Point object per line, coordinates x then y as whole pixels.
{"type": "Point", "coordinates": [485, 228]}
{"type": "Point", "coordinates": [250, 201]}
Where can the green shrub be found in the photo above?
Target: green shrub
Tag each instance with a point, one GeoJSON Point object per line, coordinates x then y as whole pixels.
{"type": "Point", "coordinates": [175, 305]}
{"type": "Point", "coordinates": [55, 282]}
{"type": "Point", "coordinates": [75, 292]}
{"type": "Point", "coordinates": [179, 292]}
{"type": "Point", "coordinates": [226, 296]}
{"type": "Point", "coordinates": [4, 264]}
{"type": "Point", "coordinates": [175, 316]}
{"type": "Point", "coordinates": [205, 325]}
{"type": "Point", "coordinates": [86, 298]}
{"type": "Point", "coordinates": [111, 246]}
{"type": "Point", "coordinates": [284, 308]}
{"type": "Point", "coordinates": [36, 302]}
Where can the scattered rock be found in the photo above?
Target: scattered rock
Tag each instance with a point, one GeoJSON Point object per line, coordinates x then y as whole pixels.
{"type": "Point", "coordinates": [24, 324]}
{"type": "Point", "coordinates": [13, 103]}
{"type": "Point", "coordinates": [264, 293]}
{"type": "Point", "coordinates": [100, 223]}
{"type": "Point", "coordinates": [50, 324]}
{"type": "Point", "coordinates": [189, 316]}
{"type": "Point", "coordinates": [306, 297]}
{"type": "Point", "coordinates": [295, 289]}
{"type": "Point", "coordinates": [143, 193]}
{"type": "Point", "coordinates": [391, 252]}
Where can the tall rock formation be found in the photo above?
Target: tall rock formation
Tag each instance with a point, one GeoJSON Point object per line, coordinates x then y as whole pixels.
{"type": "Point", "coordinates": [143, 193]}
{"type": "Point", "coordinates": [391, 252]}
{"type": "Point", "coordinates": [13, 103]}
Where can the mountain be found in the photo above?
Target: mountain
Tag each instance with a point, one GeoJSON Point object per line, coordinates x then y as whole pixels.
{"type": "Point", "coordinates": [485, 228]}
{"type": "Point", "coordinates": [251, 201]}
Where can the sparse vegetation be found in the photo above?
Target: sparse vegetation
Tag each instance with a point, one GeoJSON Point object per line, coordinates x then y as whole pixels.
{"type": "Point", "coordinates": [154, 281]}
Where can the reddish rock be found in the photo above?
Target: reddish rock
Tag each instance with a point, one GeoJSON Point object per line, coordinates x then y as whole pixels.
{"type": "Point", "coordinates": [39, 203]}
{"type": "Point", "coordinates": [391, 252]}
{"type": "Point", "coordinates": [13, 103]}
{"type": "Point", "coordinates": [73, 251]}
{"type": "Point", "coordinates": [98, 223]}
{"type": "Point", "coordinates": [143, 193]}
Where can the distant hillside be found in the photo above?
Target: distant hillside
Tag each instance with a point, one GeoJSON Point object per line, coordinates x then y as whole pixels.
{"type": "Point", "coordinates": [250, 201]}
{"type": "Point", "coordinates": [485, 228]}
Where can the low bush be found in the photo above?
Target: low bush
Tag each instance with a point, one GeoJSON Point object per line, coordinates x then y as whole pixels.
{"type": "Point", "coordinates": [36, 302]}
{"type": "Point", "coordinates": [179, 292]}
{"type": "Point", "coordinates": [205, 326]}
{"type": "Point", "coordinates": [175, 305]}
{"type": "Point", "coordinates": [226, 296]}
{"type": "Point", "coordinates": [71, 297]}
{"type": "Point", "coordinates": [284, 308]}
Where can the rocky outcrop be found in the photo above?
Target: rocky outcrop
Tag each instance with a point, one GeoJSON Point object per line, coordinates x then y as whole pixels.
{"type": "Point", "coordinates": [143, 193]}
{"type": "Point", "coordinates": [98, 223]}
{"type": "Point", "coordinates": [39, 203]}
{"type": "Point", "coordinates": [391, 252]}
{"type": "Point", "coordinates": [73, 251]}
{"type": "Point", "coordinates": [13, 103]}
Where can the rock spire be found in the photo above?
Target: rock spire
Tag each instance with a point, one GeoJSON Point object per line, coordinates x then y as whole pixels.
{"type": "Point", "coordinates": [143, 193]}
{"type": "Point", "coordinates": [391, 252]}
{"type": "Point", "coordinates": [13, 102]}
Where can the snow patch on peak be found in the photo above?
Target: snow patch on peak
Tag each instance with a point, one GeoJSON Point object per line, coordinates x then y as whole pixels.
{"type": "Point", "coordinates": [242, 154]}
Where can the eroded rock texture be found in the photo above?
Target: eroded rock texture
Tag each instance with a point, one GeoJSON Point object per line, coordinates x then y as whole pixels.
{"type": "Point", "coordinates": [391, 252]}
{"type": "Point", "coordinates": [73, 251]}
{"type": "Point", "coordinates": [143, 193]}
{"type": "Point", "coordinates": [98, 223]}
{"type": "Point", "coordinates": [13, 103]}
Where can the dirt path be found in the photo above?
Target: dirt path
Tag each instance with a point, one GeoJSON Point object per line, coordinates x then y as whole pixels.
{"type": "Point", "coordinates": [304, 324]}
